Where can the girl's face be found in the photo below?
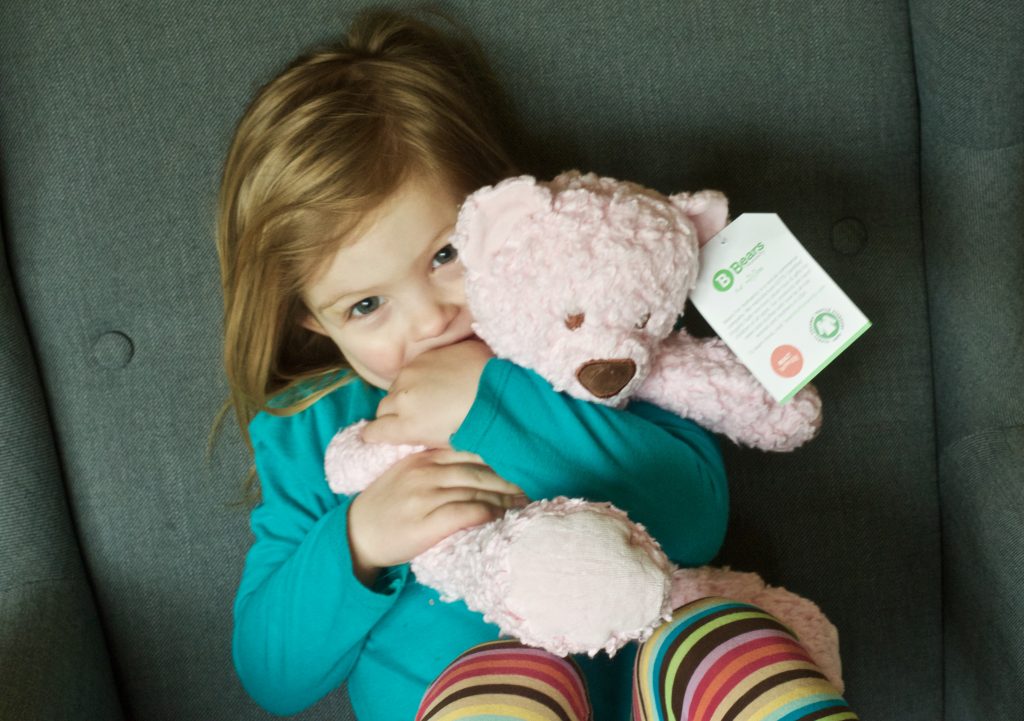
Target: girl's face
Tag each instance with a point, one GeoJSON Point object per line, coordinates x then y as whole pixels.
{"type": "Point", "coordinates": [396, 290]}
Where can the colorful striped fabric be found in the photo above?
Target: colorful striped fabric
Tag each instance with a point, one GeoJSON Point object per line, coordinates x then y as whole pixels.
{"type": "Point", "coordinates": [506, 681]}
{"type": "Point", "coordinates": [719, 660]}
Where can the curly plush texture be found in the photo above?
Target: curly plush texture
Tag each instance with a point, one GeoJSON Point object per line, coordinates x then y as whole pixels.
{"type": "Point", "coordinates": [583, 279]}
{"type": "Point", "coordinates": [701, 379]}
{"type": "Point", "coordinates": [609, 254]}
{"type": "Point", "coordinates": [493, 569]}
{"type": "Point", "coordinates": [351, 464]}
{"type": "Point", "coordinates": [562, 605]}
{"type": "Point", "coordinates": [610, 264]}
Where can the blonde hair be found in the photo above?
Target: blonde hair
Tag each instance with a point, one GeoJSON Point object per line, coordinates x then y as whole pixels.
{"type": "Point", "coordinates": [319, 148]}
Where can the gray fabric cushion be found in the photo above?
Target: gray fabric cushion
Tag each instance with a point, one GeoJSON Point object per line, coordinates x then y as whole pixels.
{"type": "Point", "coordinates": [115, 121]}
{"type": "Point", "coordinates": [114, 124]}
{"type": "Point", "coordinates": [968, 57]}
{"type": "Point", "coordinates": [972, 100]}
{"type": "Point", "coordinates": [53, 659]}
{"type": "Point", "coordinates": [983, 524]}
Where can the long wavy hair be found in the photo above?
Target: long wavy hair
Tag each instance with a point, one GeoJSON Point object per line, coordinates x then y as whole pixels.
{"type": "Point", "coordinates": [318, 149]}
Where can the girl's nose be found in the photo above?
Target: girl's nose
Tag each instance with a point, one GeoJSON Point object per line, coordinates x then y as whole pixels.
{"type": "Point", "coordinates": [432, 317]}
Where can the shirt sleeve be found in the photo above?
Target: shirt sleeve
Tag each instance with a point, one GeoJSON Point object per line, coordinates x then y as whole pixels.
{"type": "Point", "coordinates": [301, 616]}
{"type": "Point", "coordinates": [666, 472]}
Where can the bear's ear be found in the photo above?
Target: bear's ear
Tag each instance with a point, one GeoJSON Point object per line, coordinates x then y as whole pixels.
{"type": "Point", "coordinates": [708, 210]}
{"type": "Point", "coordinates": [490, 215]}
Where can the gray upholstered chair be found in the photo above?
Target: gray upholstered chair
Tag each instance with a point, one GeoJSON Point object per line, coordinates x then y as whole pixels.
{"type": "Point", "coordinates": [889, 135]}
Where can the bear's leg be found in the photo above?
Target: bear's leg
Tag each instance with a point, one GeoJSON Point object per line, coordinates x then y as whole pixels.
{"type": "Point", "coordinates": [725, 659]}
{"type": "Point", "coordinates": [504, 679]}
{"type": "Point", "coordinates": [564, 575]}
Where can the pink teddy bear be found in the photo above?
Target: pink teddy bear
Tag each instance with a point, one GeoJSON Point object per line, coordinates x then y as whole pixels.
{"type": "Point", "coordinates": [619, 261]}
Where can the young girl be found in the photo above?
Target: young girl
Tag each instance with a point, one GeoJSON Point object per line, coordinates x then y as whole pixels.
{"type": "Point", "coordinates": [344, 301]}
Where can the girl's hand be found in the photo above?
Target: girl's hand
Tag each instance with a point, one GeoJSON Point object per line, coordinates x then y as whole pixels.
{"type": "Point", "coordinates": [431, 396]}
{"type": "Point", "coordinates": [419, 501]}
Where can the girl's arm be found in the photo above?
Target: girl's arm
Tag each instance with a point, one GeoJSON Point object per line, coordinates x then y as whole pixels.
{"type": "Point", "coordinates": [301, 616]}
{"type": "Point", "coordinates": [666, 472]}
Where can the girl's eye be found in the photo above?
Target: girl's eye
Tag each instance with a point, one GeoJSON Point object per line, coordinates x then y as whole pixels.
{"type": "Point", "coordinates": [365, 306]}
{"type": "Point", "coordinates": [444, 256]}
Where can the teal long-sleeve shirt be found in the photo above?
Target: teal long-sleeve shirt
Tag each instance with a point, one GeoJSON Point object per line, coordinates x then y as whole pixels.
{"type": "Point", "coordinates": [304, 624]}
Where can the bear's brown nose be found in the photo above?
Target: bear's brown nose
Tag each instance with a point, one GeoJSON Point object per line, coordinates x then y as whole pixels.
{"type": "Point", "coordinates": [605, 378]}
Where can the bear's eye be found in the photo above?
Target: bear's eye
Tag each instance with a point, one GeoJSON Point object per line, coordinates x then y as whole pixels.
{"type": "Point", "coordinates": [643, 321]}
{"type": "Point", "coordinates": [572, 322]}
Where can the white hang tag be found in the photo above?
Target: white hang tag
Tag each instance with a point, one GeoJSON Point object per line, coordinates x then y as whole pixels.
{"type": "Point", "coordinates": [772, 304]}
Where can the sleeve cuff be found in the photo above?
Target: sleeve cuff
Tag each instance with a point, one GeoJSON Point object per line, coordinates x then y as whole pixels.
{"type": "Point", "coordinates": [388, 584]}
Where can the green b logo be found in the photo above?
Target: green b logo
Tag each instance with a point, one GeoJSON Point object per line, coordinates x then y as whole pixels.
{"type": "Point", "coordinates": [723, 280]}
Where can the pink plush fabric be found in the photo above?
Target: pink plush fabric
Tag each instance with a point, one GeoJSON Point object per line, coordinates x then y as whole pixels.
{"type": "Point", "coordinates": [700, 378]}
{"type": "Point", "coordinates": [627, 258]}
{"type": "Point", "coordinates": [351, 464]}
{"type": "Point", "coordinates": [582, 279]}
{"type": "Point", "coordinates": [613, 255]}
{"type": "Point", "coordinates": [584, 597]}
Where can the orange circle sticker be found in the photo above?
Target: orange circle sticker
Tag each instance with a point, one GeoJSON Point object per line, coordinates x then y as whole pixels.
{"type": "Point", "coordinates": [787, 361]}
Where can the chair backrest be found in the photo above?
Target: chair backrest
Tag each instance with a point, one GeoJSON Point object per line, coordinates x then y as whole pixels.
{"type": "Point", "coordinates": [857, 122]}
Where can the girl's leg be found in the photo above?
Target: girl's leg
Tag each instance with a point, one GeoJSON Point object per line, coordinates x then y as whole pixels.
{"type": "Point", "coordinates": [506, 680]}
{"type": "Point", "coordinates": [720, 660]}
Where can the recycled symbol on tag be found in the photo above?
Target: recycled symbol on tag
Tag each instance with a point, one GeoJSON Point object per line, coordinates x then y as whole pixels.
{"type": "Point", "coordinates": [826, 325]}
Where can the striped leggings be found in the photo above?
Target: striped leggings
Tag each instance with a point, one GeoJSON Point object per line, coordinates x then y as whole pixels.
{"type": "Point", "coordinates": [716, 660]}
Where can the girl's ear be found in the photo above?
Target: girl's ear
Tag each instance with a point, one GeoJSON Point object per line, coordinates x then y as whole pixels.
{"type": "Point", "coordinates": [708, 210]}
{"type": "Point", "coordinates": [490, 215]}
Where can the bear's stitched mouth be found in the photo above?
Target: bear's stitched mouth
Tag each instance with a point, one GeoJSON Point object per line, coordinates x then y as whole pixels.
{"type": "Point", "coordinates": [605, 378]}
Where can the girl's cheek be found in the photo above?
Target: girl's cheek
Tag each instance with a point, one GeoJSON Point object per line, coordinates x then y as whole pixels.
{"type": "Point", "coordinates": [456, 287]}
{"type": "Point", "coordinates": [384, 361]}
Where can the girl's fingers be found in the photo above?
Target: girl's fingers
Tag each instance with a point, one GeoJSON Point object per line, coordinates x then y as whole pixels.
{"type": "Point", "coordinates": [450, 455]}
{"type": "Point", "coordinates": [477, 477]}
{"type": "Point", "coordinates": [448, 518]}
{"type": "Point", "coordinates": [517, 501]}
{"type": "Point", "coordinates": [502, 501]}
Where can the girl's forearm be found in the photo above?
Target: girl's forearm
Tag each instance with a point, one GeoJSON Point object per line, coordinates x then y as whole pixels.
{"type": "Point", "coordinates": [294, 597]}
{"type": "Point", "coordinates": [666, 472]}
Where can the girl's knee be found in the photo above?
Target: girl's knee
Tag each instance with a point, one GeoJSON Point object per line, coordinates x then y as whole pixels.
{"type": "Point", "coordinates": [718, 656]}
{"type": "Point", "coordinates": [507, 677]}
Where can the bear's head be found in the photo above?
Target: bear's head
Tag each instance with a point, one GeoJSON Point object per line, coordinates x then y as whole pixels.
{"type": "Point", "coordinates": [581, 278]}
